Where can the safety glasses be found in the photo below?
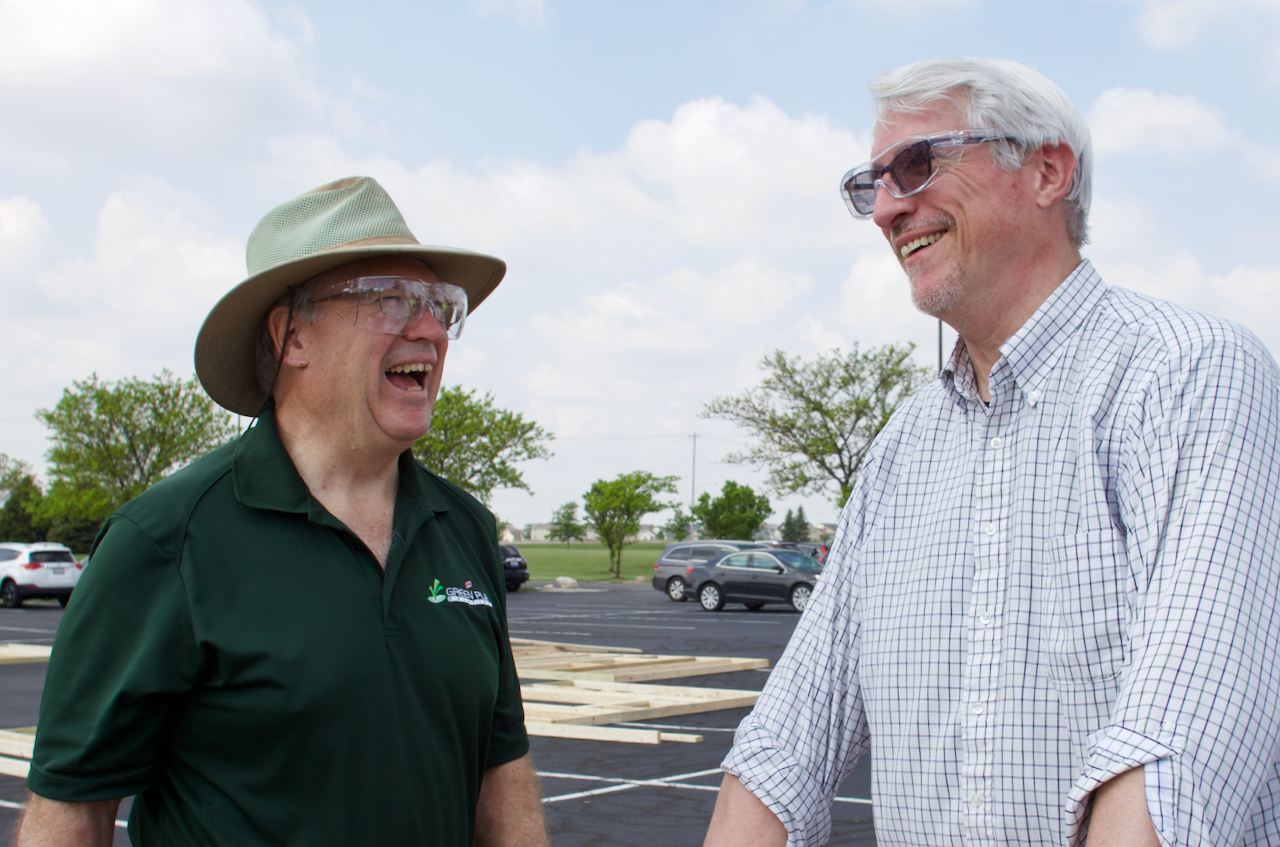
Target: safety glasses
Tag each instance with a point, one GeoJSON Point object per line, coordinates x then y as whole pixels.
{"type": "Point", "coordinates": [913, 167]}
{"type": "Point", "coordinates": [393, 304]}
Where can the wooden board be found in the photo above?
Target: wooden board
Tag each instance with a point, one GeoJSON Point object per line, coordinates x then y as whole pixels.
{"type": "Point", "coordinates": [14, 767]}
{"type": "Point", "coordinates": [17, 654]}
{"type": "Point", "coordinates": [16, 748]}
{"type": "Point", "coordinates": [551, 660]}
{"type": "Point", "coordinates": [583, 702]}
{"type": "Point", "coordinates": [606, 733]}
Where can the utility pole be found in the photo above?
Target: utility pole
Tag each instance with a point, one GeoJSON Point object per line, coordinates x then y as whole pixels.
{"type": "Point", "coordinates": [693, 476]}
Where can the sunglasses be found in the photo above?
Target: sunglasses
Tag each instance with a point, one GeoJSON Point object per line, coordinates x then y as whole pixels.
{"type": "Point", "coordinates": [913, 167]}
{"type": "Point", "coordinates": [393, 304]}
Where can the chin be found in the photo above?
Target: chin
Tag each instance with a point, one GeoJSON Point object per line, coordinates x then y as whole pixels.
{"type": "Point", "coordinates": [937, 295]}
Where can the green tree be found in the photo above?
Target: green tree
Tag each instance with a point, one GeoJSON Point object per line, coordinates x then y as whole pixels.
{"type": "Point", "coordinates": [680, 527]}
{"type": "Point", "coordinates": [615, 508]}
{"type": "Point", "coordinates": [795, 527]}
{"type": "Point", "coordinates": [736, 513]}
{"type": "Point", "coordinates": [814, 421]}
{"type": "Point", "coordinates": [475, 444]}
{"type": "Point", "coordinates": [112, 441]}
{"type": "Point", "coordinates": [18, 516]}
{"type": "Point", "coordinates": [565, 526]}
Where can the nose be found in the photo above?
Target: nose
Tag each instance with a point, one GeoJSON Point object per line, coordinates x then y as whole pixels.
{"type": "Point", "coordinates": [425, 328]}
{"type": "Point", "coordinates": [889, 208]}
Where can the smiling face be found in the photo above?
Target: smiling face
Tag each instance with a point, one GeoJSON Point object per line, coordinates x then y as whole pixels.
{"type": "Point", "coordinates": [376, 388]}
{"type": "Point", "coordinates": [958, 239]}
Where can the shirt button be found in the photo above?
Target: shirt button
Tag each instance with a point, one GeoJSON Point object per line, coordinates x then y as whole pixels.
{"type": "Point", "coordinates": [984, 619]}
{"type": "Point", "coordinates": [989, 529]}
{"type": "Point", "coordinates": [975, 799]}
{"type": "Point", "coordinates": [976, 708]}
{"type": "Point", "coordinates": [996, 443]}
{"type": "Point", "coordinates": [1033, 397]}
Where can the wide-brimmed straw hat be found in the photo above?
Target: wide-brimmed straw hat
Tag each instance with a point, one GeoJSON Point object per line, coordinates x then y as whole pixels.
{"type": "Point", "coordinates": [340, 222]}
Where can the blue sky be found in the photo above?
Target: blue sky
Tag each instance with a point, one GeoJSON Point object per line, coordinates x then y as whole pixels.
{"type": "Point", "coordinates": [660, 178]}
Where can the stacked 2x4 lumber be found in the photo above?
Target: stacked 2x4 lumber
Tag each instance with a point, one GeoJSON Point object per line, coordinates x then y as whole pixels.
{"type": "Point", "coordinates": [16, 748]}
{"type": "Point", "coordinates": [553, 660]}
{"type": "Point", "coordinates": [596, 686]}
{"type": "Point", "coordinates": [19, 654]}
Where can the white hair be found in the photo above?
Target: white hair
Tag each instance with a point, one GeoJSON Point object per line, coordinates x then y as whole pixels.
{"type": "Point", "coordinates": [1005, 97]}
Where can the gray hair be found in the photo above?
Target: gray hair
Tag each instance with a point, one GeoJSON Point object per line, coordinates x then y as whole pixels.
{"type": "Point", "coordinates": [266, 357]}
{"type": "Point", "coordinates": [1005, 97]}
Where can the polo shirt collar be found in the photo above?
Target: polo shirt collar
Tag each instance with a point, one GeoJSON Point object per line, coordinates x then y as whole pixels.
{"type": "Point", "coordinates": [265, 477]}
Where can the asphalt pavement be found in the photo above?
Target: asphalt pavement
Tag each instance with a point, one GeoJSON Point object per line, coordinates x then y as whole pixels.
{"type": "Point", "coordinates": [596, 793]}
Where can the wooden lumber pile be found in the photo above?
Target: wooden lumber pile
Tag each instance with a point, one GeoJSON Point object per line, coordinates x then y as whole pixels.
{"type": "Point", "coordinates": [595, 687]}
{"type": "Point", "coordinates": [16, 748]}
{"type": "Point", "coordinates": [17, 654]}
{"type": "Point", "coordinates": [552, 660]}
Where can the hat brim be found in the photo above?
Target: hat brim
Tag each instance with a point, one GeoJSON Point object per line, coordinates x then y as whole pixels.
{"type": "Point", "coordinates": [228, 341]}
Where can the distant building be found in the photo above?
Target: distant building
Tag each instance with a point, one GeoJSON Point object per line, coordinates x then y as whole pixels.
{"type": "Point", "coordinates": [768, 532]}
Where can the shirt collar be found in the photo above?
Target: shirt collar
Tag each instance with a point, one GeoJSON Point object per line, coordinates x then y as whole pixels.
{"type": "Point", "coordinates": [265, 477]}
{"type": "Point", "coordinates": [1028, 357]}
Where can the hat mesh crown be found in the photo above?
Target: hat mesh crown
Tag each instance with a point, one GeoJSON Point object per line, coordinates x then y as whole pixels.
{"type": "Point", "coordinates": [322, 220]}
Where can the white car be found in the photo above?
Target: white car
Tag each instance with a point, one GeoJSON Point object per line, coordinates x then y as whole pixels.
{"type": "Point", "coordinates": [43, 570]}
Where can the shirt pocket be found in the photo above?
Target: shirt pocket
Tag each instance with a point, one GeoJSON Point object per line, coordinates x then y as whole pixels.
{"type": "Point", "coordinates": [1085, 605]}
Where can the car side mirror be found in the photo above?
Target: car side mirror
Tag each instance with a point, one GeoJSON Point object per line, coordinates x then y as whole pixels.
{"type": "Point", "coordinates": [779, 569]}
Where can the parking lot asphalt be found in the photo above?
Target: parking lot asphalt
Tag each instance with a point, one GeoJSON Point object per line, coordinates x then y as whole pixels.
{"type": "Point", "coordinates": [596, 793]}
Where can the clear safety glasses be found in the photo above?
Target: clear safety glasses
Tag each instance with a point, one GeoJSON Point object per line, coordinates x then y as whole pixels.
{"type": "Point", "coordinates": [393, 304]}
{"type": "Point", "coordinates": [913, 167]}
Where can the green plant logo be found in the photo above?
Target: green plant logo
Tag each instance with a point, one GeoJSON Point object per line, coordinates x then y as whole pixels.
{"type": "Point", "coordinates": [437, 593]}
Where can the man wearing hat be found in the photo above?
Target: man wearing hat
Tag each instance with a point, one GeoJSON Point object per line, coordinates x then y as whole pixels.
{"type": "Point", "coordinates": [301, 637]}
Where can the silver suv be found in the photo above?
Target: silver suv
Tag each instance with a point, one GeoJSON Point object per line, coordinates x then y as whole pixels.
{"type": "Point", "coordinates": [43, 570]}
{"type": "Point", "coordinates": [678, 557]}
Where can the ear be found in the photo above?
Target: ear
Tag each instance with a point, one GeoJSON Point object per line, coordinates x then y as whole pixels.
{"type": "Point", "coordinates": [295, 349]}
{"type": "Point", "coordinates": [1055, 166]}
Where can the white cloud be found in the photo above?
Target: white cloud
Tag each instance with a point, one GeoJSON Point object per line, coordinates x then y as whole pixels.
{"type": "Point", "coordinates": [140, 76]}
{"type": "Point", "coordinates": [1137, 120]}
{"type": "Point", "coordinates": [1177, 23]}
{"type": "Point", "coordinates": [531, 14]}
{"type": "Point", "coordinates": [23, 231]}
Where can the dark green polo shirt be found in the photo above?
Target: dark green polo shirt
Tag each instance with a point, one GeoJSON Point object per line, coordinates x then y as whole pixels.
{"type": "Point", "coordinates": [235, 656]}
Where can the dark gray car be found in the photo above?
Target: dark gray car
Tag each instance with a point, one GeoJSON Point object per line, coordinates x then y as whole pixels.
{"type": "Point", "coordinates": [677, 557]}
{"type": "Point", "coordinates": [755, 577]}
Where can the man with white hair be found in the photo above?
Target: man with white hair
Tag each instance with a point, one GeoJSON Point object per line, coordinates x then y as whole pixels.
{"type": "Point", "coordinates": [301, 637]}
{"type": "Point", "coordinates": [1050, 610]}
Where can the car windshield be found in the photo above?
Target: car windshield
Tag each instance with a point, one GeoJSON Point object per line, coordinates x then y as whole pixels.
{"type": "Point", "coordinates": [797, 560]}
{"type": "Point", "coordinates": [52, 556]}
{"type": "Point", "coordinates": [508, 550]}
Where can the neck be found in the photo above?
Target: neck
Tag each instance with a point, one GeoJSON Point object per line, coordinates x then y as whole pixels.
{"type": "Point", "coordinates": [356, 482]}
{"type": "Point", "coordinates": [986, 323]}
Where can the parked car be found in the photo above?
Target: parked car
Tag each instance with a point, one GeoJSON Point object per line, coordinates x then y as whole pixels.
{"type": "Point", "coordinates": [44, 571]}
{"type": "Point", "coordinates": [669, 570]}
{"type": "Point", "coordinates": [514, 566]}
{"type": "Point", "coordinates": [817, 551]}
{"type": "Point", "coordinates": [755, 577]}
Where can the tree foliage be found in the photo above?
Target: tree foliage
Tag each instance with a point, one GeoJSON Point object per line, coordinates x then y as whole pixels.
{"type": "Point", "coordinates": [18, 516]}
{"type": "Point", "coordinates": [476, 445]}
{"type": "Point", "coordinates": [615, 508]}
{"type": "Point", "coordinates": [112, 441]}
{"type": "Point", "coordinates": [814, 421]}
{"type": "Point", "coordinates": [565, 526]}
{"type": "Point", "coordinates": [795, 527]}
{"type": "Point", "coordinates": [680, 527]}
{"type": "Point", "coordinates": [736, 513]}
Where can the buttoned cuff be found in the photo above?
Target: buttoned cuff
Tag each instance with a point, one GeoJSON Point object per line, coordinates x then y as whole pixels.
{"type": "Point", "coordinates": [778, 780]}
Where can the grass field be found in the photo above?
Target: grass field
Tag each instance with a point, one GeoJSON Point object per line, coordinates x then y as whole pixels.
{"type": "Point", "coordinates": [588, 561]}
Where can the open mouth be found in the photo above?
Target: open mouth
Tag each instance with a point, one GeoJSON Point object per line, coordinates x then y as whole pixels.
{"type": "Point", "coordinates": [920, 243]}
{"type": "Point", "coordinates": [410, 377]}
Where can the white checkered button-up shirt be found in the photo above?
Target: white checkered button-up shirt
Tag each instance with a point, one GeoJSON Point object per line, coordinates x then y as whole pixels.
{"type": "Point", "coordinates": [1025, 599]}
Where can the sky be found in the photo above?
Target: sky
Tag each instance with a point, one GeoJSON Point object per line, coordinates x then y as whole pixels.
{"type": "Point", "coordinates": [660, 178]}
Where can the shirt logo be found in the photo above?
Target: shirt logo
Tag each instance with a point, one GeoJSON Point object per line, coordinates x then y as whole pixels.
{"type": "Point", "coordinates": [439, 594]}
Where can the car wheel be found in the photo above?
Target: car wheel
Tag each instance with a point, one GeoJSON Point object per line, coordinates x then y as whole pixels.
{"type": "Point", "coordinates": [512, 588]}
{"type": "Point", "coordinates": [711, 598]}
{"type": "Point", "coordinates": [800, 597]}
{"type": "Point", "coordinates": [677, 590]}
{"type": "Point", "coordinates": [9, 595]}
{"type": "Point", "coordinates": [755, 607]}
{"type": "Point", "coordinates": [63, 601]}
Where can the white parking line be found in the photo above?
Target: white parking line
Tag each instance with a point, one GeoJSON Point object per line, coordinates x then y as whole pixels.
{"type": "Point", "coordinates": [617, 784]}
{"type": "Point", "coordinates": [27, 629]}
